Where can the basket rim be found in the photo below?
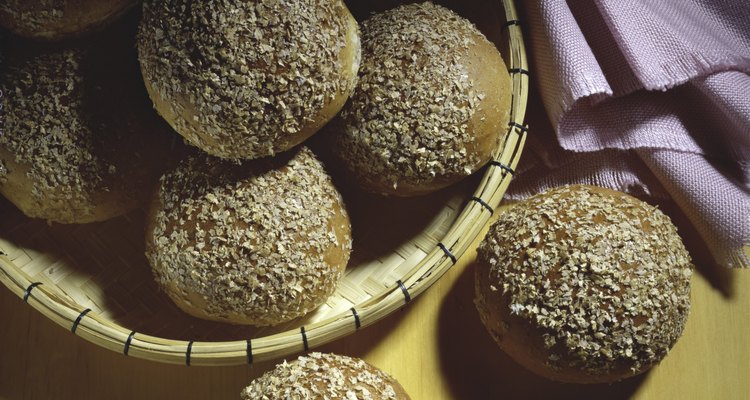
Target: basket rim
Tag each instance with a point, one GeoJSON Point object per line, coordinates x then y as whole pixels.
{"type": "Point", "coordinates": [462, 233]}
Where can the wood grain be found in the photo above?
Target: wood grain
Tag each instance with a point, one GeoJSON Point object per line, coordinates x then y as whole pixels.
{"type": "Point", "coordinates": [436, 347]}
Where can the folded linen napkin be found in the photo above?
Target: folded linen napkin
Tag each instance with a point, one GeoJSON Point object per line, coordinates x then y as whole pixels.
{"type": "Point", "coordinates": [651, 98]}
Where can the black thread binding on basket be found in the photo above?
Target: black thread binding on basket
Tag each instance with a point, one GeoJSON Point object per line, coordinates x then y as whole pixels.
{"type": "Point", "coordinates": [520, 127]}
{"type": "Point", "coordinates": [188, 353]}
{"type": "Point", "coordinates": [407, 296]}
{"type": "Point", "coordinates": [517, 148]}
{"type": "Point", "coordinates": [421, 278]}
{"type": "Point", "coordinates": [249, 350]}
{"type": "Point", "coordinates": [447, 252]}
{"type": "Point", "coordinates": [357, 322]}
{"type": "Point", "coordinates": [483, 204]}
{"type": "Point", "coordinates": [127, 343]}
{"type": "Point", "coordinates": [511, 22]}
{"type": "Point", "coordinates": [78, 320]}
{"type": "Point", "coordinates": [502, 166]}
{"type": "Point", "coordinates": [304, 338]}
{"type": "Point", "coordinates": [27, 292]}
{"type": "Point", "coordinates": [519, 71]}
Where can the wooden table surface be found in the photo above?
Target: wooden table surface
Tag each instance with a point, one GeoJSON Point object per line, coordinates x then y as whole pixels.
{"type": "Point", "coordinates": [436, 347]}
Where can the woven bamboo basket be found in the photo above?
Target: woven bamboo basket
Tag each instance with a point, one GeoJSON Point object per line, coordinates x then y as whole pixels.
{"type": "Point", "coordinates": [94, 279]}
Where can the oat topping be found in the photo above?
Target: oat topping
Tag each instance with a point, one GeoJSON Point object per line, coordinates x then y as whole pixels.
{"type": "Point", "coordinates": [45, 127]}
{"type": "Point", "coordinates": [78, 132]}
{"type": "Point", "coordinates": [407, 120]}
{"type": "Point", "coordinates": [605, 277]}
{"type": "Point", "coordinates": [254, 72]}
{"type": "Point", "coordinates": [322, 376]}
{"type": "Point", "coordinates": [3, 169]}
{"type": "Point", "coordinates": [249, 238]}
{"type": "Point", "coordinates": [33, 14]}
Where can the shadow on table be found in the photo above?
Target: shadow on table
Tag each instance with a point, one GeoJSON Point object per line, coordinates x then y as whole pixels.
{"type": "Point", "coordinates": [720, 278]}
{"type": "Point", "coordinates": [475, 368]}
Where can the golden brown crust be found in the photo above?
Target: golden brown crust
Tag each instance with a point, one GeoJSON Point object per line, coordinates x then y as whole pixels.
{"type": "Point", "coordinates": [260, 242]}
{"type": "Point", "coordinates": [431, 105]}
{"type": "Point", "coordinates": [320, 376]}
{"type": "Point", "coordinates": [60, 19]}
{"type": "Point", "coordinates": [80, 141]}
{"type": "Point", "coordinates": [257, 79]}
{"type": "Point", "coordinates": [584, 284]}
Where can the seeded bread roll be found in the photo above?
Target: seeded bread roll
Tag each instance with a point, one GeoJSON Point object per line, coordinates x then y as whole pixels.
{"type": "Point", "coordinates": [79, 140]}
{"type": "Point", "coordinates": [256, 243]}
{"type": "Point", "coordinates": [583, 284]}
{"type": "Point", "coordinates": [248, 79]}
{"type": "Point", "coordinates": [431, 105]}
{"type": "Point", "coordinates": [59, 19]}
{"type": "Point", "coordinates": [319, 376]}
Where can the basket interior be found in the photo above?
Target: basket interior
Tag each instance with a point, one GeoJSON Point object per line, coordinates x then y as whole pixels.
{"type": "Point", "coordinates": [401, 247]}
{"type": "Point", "coordinates": [102, 267]}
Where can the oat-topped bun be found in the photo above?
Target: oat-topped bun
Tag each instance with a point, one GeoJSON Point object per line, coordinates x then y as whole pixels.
{"type": "Point", "coordinates": [79, 140]}
{"type": "Point", "coordinates": [431, 105]}
{"type": "Point", "coordinates": [584, 284]}
{"type": "Point", "coordinates": [256, 243]}
{"type": "Point", "coordinates": [320, 376]}
{"type": "Point", "coordinates": [247, 79]}
{"type": "Point", "coordinates": [59, 19]}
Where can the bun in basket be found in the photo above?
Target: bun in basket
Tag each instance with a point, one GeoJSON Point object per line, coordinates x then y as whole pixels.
{"type": "Point", "coordinates": [79, 140]}
{"type": "Point", "coordinates": [59, 19]}
{"type": "Point", "coordinates": [248, 79]}
{"type": "Point", "coordinates": [257, 243]}
{"type": "Point", "coordinates": [431, 105]}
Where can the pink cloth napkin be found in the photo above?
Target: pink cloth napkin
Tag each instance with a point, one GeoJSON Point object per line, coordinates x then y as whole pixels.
{"type": "Point", "coordinates": [651, 98]}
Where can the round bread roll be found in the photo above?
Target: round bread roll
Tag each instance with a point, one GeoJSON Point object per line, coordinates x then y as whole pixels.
{"type": "Point", "coordinates": [583, 284]}
{"type": "Point", "coordinates": [59, 19]}
{"type": "Point", "coordinates": [79, 139]}
{"type": "Point", "coordinates": [258, 243]}
{"type": "Point", "coordinates": [319, 376]}
{"type": "Point", "coordinates": [248, 79]}
{"type": "Point", "coordinates": [431, 105]}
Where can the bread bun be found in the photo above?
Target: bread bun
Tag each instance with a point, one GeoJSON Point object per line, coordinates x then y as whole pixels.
{"type": "Point", "coordinates": [257, 243]}
{"type": "Point", "coordinates": [431, 105]}
{"type": "Point", "coordinates": [59, 19]}
{"type": "Point", "coordinates": [80, 142]}
{"type": "Point", "coordinates": [583, 284]}
{"type": "Point", "coordinates": [248, 79]}
{"type": "Point", "coordinates": [325, 376]}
